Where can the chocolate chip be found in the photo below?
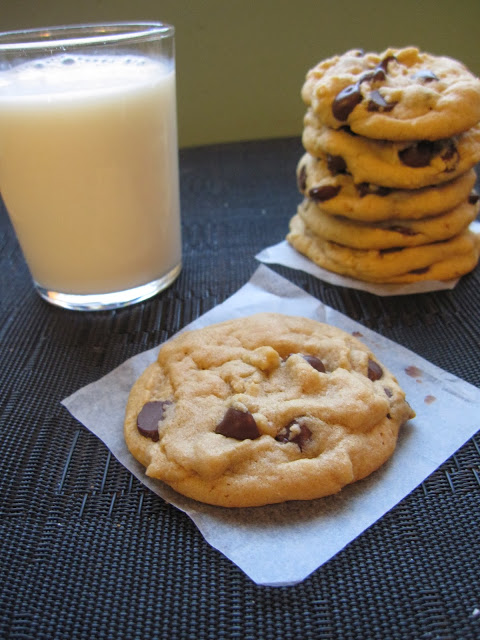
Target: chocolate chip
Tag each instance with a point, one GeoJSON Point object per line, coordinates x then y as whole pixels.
{"type": "Point", "coordinates": [376, 74]}
{"type": "Point", "coordinates": [327, 192]}
{"type": "Point", "coordinates": [385, 62]}
{"type": "Point", "coordinates": [363, 189]}
{"type": "Point", "coordinates": [425, 75]}
{"type": "Point", "coordinates": [450, 151]}
{"type": "Point", "coordinates": [388, 392]}
{"type": "Point", "coordinates": [149, 417]}
{"type": "Point", "coordinates": [375, 371]}
{"type": "Point", "coordinates": [336, 164]}
{"type": "Point", "coordinates": [405, 231]}
{"type": "Point", "coordinates": [237, 424]}
{"type": "Point", "coordinates": [418, 155]}
{"type": "Point", "coordinates": [315, 362]}
{"type": "Point", "coordinates": [379, 74]}
{"type": "Point", "coordinates": [346, 101]}
{"type": "Point", "coordinates": [378, 103]}
{"type": "Point", "coordinates": [473, 198]}
{"type": "Point", "coordinates": [294, 432]}
{"type": "Point", "coordinates": [302, 178]}
{"type": "Point", "coordinates": [450, 155]}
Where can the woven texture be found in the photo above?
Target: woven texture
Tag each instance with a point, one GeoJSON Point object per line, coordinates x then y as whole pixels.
{"type": "Point", "coordinates": [87, 552]}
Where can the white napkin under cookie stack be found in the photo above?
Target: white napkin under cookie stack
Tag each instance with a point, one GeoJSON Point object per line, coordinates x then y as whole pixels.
{"type": "Point", "coordinates": [391, 143]}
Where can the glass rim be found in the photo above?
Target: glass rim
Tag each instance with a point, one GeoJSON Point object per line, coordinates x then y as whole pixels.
{"type": "Point", "coordinates": [83, 34]}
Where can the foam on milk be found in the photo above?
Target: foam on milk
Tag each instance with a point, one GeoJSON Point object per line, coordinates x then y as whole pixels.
{"type": "Point", "coordinates": [74, 74]}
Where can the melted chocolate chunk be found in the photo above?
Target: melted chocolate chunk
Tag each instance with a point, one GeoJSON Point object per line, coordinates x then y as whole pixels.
{"type": "Point", "coordinates": [294, 432]}
{"type": "Point", "coordinates": [378, 103]}
{"type": "Point", "coordinates": [385, 62]}
{"type": "Point", "coordinates": [315, 362]}
{"type": "Point", "coordinates": [450, 155]}
{"type": "Point", "coordinates": [418, 155]}
{"type": "Point", "coordinates": [378, 74]}
{"type": "Point", "coordinates": [473, 198]}
{"type": "Point", "coordinates": [327, 192]}
{"type": "Point", "coordinates": [375, 75]}
{"type": "Point", "coordinates": [149, 417]}
{"type": "Point", "coordinates": [346, 101]}
{"type": "Point", "coordinates": [237, 424]}
{"type": "Point", "coordinates": [375, 371]}
{"type": "Point", "coordinates": [336, 164]}
{"type": "Point", "coordinates": [363, 189]}
{"type": "Point", "coordinates": [425, 75]}
{"type": "Point", "coordinates": [421, 153]}
{"type": "Point", "coordinates": [302, 178]}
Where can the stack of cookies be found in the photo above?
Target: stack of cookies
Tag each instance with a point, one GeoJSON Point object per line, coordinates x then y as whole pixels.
{"type": "Point", "coordinates": [391, 143]}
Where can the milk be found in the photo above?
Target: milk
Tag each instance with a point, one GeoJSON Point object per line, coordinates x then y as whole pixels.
{"type": "Point", "coordinates": [89, 170]}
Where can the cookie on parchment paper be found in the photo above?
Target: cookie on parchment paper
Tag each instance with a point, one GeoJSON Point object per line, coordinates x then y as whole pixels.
{"type": "Point", "coordinates": [264, 409]}
{"type": "Point", "coordinates": [444, 260]}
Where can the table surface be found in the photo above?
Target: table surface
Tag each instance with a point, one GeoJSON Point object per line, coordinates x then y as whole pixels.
{"type": "Point", "coordinates": [86, 551]}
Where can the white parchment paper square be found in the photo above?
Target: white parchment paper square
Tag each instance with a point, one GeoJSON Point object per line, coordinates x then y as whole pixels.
{"type": "Point", "coordinates": [303, 534]}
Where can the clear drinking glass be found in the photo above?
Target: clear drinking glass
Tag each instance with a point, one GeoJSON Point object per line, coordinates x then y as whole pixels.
{"type": "Point", "coordinates": [89, 160]}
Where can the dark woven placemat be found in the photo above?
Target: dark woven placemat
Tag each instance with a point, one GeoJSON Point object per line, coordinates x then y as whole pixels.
{"type": "Point", "coordinates": [87, 552]}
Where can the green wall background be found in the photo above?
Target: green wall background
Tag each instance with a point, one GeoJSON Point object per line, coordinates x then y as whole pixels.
{"type": "Point", "coordinates": [241, 63]}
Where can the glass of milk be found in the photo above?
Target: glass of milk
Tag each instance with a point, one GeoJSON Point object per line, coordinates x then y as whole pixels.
{"type": "Point", "coordinates": [89, 160]}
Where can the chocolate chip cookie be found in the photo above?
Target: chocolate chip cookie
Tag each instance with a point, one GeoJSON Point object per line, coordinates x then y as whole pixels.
{"type": "Point", "coordinates": [264, 409]}
{"type": "Point", "coordinates": [398, 165]}
{"type": "Point", "coordinates": [400, 94]}
{"type": "Point", "coordinates": [390, 233]}
{"type": "Point", "coordinates": [324, 180]}
{"type": "Point", "coordinates": [444, 260]}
